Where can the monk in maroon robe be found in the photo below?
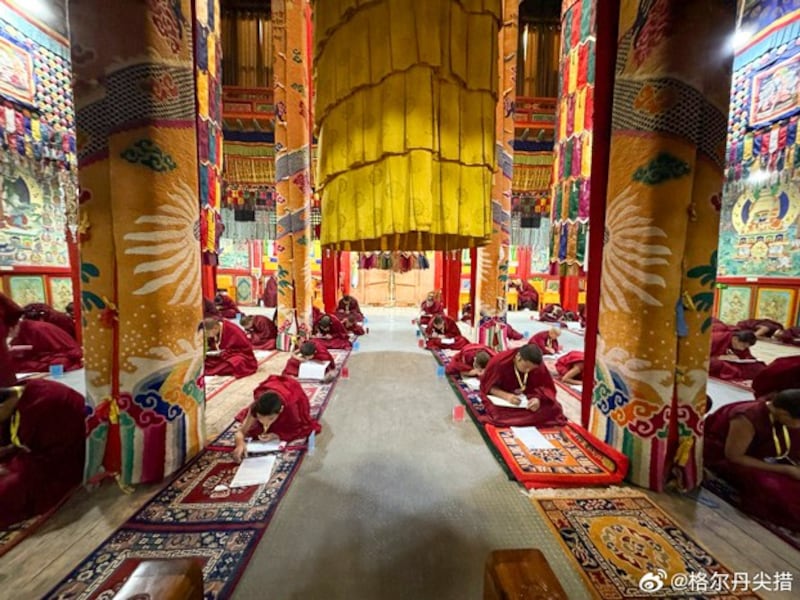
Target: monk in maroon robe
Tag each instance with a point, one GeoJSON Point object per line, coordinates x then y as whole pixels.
{"type": "Point", "coordinates": [347, 307]}
{"type": "Point", "coordinates": [527, 296]}
{"type": "Point", "coordinates": [570, 367]}
{"type": "Point", "coordinates": [755, 446]}
{"type": "Point", "coordinates": [789, 336]}
{"type": "Point", "coordinates": [352, 325]}
{"type": "Point", "coordinates": [330, 332]}
{"type": "Point", "coordinates": [261, 330]}
{"type": "Point", "coordinates": [232, 351]}
{"type": "Point", "coordinates": [781, 374]}
{"type": "Point", "coordinates": [443, 327]}
{"type": "Point", "coordinates": [226, 306]}
{"type": "Point", "coordinates": [270, 295]}
{"type": "Point", "coordinates": [470, 361]}
{"type": "Point", "coordinates": [10, 313]}
{"type": "Point", "coordinates": [429, 308]}
{"type": "Point", "coordinates": [280, 411]}
{"type": "Point", "coordinates": [309, 350]}
{"type": "Point", "coordinates": [728, 350]}
{"type": "Point", "coordinates": [761, 327]}
{"type": "Point", "coordinates": [48, 345]}
{"type": "Point", "coordinates": [547, 341]}
{"type": "Point", "coordinates": [44, 312]}
{"type": "Point", "coordinates": [552, 313]}
{"type": "Point", "coordinates": [520, 372]}
{"type": "Point", "coordinates": [42, 447]}
{"type": "Point", "coordinates": [717, 325]}
{"type": "Point", "coordinates": [209, 309]}
{"type": "Point", "coordinates": [466, 313]}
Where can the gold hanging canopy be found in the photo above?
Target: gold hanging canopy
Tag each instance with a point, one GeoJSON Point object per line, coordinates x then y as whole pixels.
{"type": "Point", "coordinates": [405, 110]}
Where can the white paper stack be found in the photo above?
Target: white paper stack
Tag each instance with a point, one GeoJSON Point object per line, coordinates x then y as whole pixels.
{"type": "Point", "coordinates": [497, 401]}
{"type": "Point", "coordinates": [312, 369]}
{"type": "Point", "coordinates": [532, 438]}
{"type": "Point", "coordinates": [259, 447]}
{"type": "Point", "coordinates": [472, 383]}
{"type": "Point", "coordinates": [254, 471]}
{"type": "Point", "coordinates": [448, 340]}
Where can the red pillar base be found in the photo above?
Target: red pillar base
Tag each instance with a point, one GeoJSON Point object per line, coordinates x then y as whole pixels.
{"type": "Point", "coordinates": [330, 279]}
{"type": "Point", "coordinates": [569, 292]}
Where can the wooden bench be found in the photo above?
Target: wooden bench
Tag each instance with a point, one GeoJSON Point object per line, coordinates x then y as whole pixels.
{"type": "Point", "coordinates": [174, 579]}
{"type": "Point", "coordinates": [521, 574]}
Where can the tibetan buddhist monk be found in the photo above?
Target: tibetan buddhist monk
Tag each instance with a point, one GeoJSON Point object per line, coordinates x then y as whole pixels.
{"type": "Point", "coordinates": [763, 328]}
{"type": "Point", "coordinates": [353, 325]}
{"type": "Point", "coordinates": [10, 313]}
{"type": "Point", "coordinates": [210, 309]}
{"type": "Point", "coordinates": [730, 355]}
{"type": "Point", "coordinates": [309, 350]}
{"type": "Point", "coordinates": [226, 305]}
{"type": "Point", "coordinates": [347, 307]}
{"type": "Point", "coordinates": [261, 330]}
{"type": "Point", "coordinates": [552, 313]}
{"type": "Point", "coordinates": [527, 297]}
{"type": "Point", "coordinates": [511, 333]}
{"type": "Point", "coordinates": [755, 446]}
{"type": "Point", "coordinates": [466, 313]}
{"type": "Point", "coordinates": [42, 447]}
{"type": "Point", "coordinates": [470, 361]}
{"type": "Point", "coordinates": [547, 340]}
{"type": "Point", "coordinates": [790, 336]}
{"type": "Point", "coordinates": [781, 374]}
{"type": "Point", "coordinates": [331, 333]}
{"type": "Point", "coordinates": [36, 345]}
{"type": "Point", "coordinates": [230, 352]}
{"type": "Point", "coordinates": [45, 312]}
{"type": "Point", "coordinates": [516, 374]}
{"type": "Point", "coordinates": [717, 325]}
{"type": "Point", "coordinates": [429, 308]}
{"type": "Point", "coordinates": [270, 295]}
{"type": "Point", "coordinates": [280, 411]}
{"type": "Point", "coordinates": [443, 328]}
{"type": "Point", "coordinates": [570, 368]}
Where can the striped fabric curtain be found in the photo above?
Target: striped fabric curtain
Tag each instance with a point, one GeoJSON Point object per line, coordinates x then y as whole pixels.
{"type": "Point", "coordinates": [246, 48]}
{"type": "Point", "coordinates": [538, 60]}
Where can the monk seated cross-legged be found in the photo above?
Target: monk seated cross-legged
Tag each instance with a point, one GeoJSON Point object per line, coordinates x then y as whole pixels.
{"type": "Point", "coordinates": [227, 307]}
{"type": "Point", "coordinates": [528, 296]}
{"type": "Point", "coordinates": [270, 295]}
{"type": "Point", "coordinates": [280, 411]}
{"type": "Point", "coordinates": [38, 345]}
{"type": "Point", "coordinates": [731, 358]}
{"type": "Point", "coordinates": [755, 446]}
{"type": "Point", "coordinates": [330, 332]}
{"type": "Point", "coordinates": [518, 375]}
{"type": "Point", "coordinates": [570, 368]}
{"type": "Point", "coordinates": [347, 307]}
{"type": "Point", "coordinates": [443, 332]}
{"type": "Point", "coordinates": [429, 308]}
{"type": "Point", "coordinates": [42, 447]}
{"type": "Point", "coordinates": [547, 341]}
{"type": "Point", "coordinates": [230, 352]}
{"type": "Point", "coordinates": [310, 350]}
{"type": "Point", "coordinates": [45, 312]}
{"type": "Point", "coordinates": [470, 361]}
{"type": "Point", "coordinates": [261, 330]}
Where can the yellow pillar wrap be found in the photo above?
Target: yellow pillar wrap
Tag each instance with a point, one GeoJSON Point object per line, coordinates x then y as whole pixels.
{"type": "Point", "coordinates": [666, 176]}
{"type": "Point", "coordinates": [405, 106]}
{"type": "Point", "coordinates": [292, 162]}
{"type": "Point", "coordinates": [140, 259]}
{"type": "Point", "coordinates": [492, 279]}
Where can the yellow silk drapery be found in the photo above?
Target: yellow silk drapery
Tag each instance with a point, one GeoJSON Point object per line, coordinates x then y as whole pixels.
{"type": "Point", "coordinates": [405, 107]}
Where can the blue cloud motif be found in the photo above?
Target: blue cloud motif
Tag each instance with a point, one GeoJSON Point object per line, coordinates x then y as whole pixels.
{"type": "Point", "coordinates": [147, 394]}
{"type": "Point", "coordinates": [610, 392]}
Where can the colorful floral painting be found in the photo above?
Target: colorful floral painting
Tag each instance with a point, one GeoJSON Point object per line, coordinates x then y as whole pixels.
{"type": "Point", "coordinates": [734, 304]}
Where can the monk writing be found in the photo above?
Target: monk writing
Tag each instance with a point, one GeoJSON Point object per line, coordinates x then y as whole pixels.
{"type": "Point", "coordinates": [261, 330]}
{"type": "Point", "coordinates": [570, 368]}
{"type": "Point", "coordinates": [781, 374]}
{"type": "Point", "coordinates": [547, 341]}
{"type": "Point", "coordinates": [347, 307]}
{"type": "Point", "coordinates": [528, 296]}
{"type": "Point", "coordinates": [226, 305]}
{"type": "Point", "coordinates": [309, 350]}
{"type": "Point", "coordinates": [731, 357]}
{"type": "Point", "coordinates": [36, 345]}
{"type": "Point", "coordinates": [470, 361]}
{"type": "Point", "coordinates": [331, 333]}
{"type": "Point", "coordinates": [441, 328]}
{"type": "Point", "coordinates": [45, 312]}
{"type": "Point", "coordinates": [762, 328]}
{"type": "Point", "coordinates": [429, 308]}
{"type": "Point", "coordinates": [230, 352]}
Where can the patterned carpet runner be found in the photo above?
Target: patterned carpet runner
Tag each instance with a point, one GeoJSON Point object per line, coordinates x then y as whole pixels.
{"type": "Point", "coordinates": [216, 383]}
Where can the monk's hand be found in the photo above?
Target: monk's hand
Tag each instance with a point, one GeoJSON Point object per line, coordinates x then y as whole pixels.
{"type": "Point", "coordinates": [514, 399]}
{"type": "Point", "coordinates": [534, 404]}
{"type": "Point", "coordinates": [240, 451]}
{"type": "Point", "coordinates": [793, 471]}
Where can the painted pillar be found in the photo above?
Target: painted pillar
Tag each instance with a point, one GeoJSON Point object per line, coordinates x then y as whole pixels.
{"type": "Point", "coordinates": [659, 258]}
{"type": "Point", "coordinates": [573, 155]}
{"type": "Point", "coordinates": [492, 264]}
{"type": "Point", "coordinates": [208, 82]}
{"type": "Point", "coordinates": [292, 163]}
{"type": "Point", "coordinates": [140, 268]}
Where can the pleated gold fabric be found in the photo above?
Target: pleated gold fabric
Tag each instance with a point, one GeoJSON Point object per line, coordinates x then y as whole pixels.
{"type": "Point", "coordinates": [405, 110]}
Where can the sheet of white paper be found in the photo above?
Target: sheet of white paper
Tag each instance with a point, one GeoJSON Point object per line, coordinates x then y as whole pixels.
{"type": "Point", "coordinates": [573, 325]}
{"type": "Point", "coordinates": [258, 447]}
{"type": "Point", "coordinates": [497, 401]}
{"type": "Point", "coordinates": [254, 471]}
{"type": "Point", "coordinates": [577, 388]}
{"type": "Point", "coordinates": [312, 369]}
{"type": "Point", "coordinates": [472, 383]}
{"type": "Point", "coordinates": [531, 437]}
{"type": "Point", "coordinates": [448, 340]}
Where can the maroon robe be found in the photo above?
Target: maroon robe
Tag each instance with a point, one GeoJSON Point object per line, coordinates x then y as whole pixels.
{"type": "Point", "coordinates": [552, 313]}
{"type": "Point", "coordinates": [343, 311]}
{"type": "Point", "coordinates": [227, 306]}
{"type": "Point", "coordinates": [463, 361]}
{"type": "Point", "coordinates": [770, 496]}
{"type": "Point", "coordinates": [263, 333]}
{"type": "Point", "coordinates": [237, 356]}
{"type": "Point", "coordinates": [781, 374]}
{"type": "Point", "coordinates": [51, 346]}
{"type": "Point", "coordinates": [209, 309]}
{"type": "Point", "coordinates": [292, 368]}
{"type": "Point", "coordinates": [547, 344]}
{"type": "Point", "coordinates": [754, 324]}
{"type": "Point", "coordinates": [270, 295]}
{"type": "Point", "coordinates": [511, 333]}
{"type": "Point", "coordinates": [466, 313]}
{"type": "Point", "coordinates": [789, 336]}
{"type": "Point", "coordinates": [722, 369]}
{"type": "Point", "coordinates": [352, 326]}
{"type": "Point", "coordinates": [45, 312]}
{"type": "Point", "coordinates": [336, 337]}
{"type": "Point", "coordinates": [717, 325]}
{"type": "Point", "coordinates": [569, 360]}
{"type": "Point", "coordinates": [451, 330]}
{"type": "Point", "coordinates": [52, 426]}
{"type": "Point", "coordinates": [527, 296]}
{"type": "Point", "coordinates": [10, 313]}
{"type": "Point", "coordinates": [430, 309]}
{"type": "Point", "coordinates": [294, 420]}
{"type": "Point", "coordinates": [500, 373]}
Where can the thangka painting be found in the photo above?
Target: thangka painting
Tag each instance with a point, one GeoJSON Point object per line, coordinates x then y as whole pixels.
{"type": "Point", "coordinates": [775, 304]}
{"type": "Point", "coordinates": [244, 290]}
{"type": "Point", "coordinates": [234, 254]}
{"type": "Point", "coordinates": [775, 92]}
{"type": "Point", "coordinates": [734, 304]}
{"type": "Point", "coordinates": [17, 80]}
{"type": "Point", "coordinates": [27, 289]}
{"type": "Point", "coordinates": [60, 292]}
{"type": "Point", "coordinates": [31, 228]}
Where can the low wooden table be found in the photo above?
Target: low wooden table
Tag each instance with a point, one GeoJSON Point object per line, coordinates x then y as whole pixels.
{"type": "Point", "coordinates": [173, 579]}
{"type": "Point", "coordinates": [520, 574]}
